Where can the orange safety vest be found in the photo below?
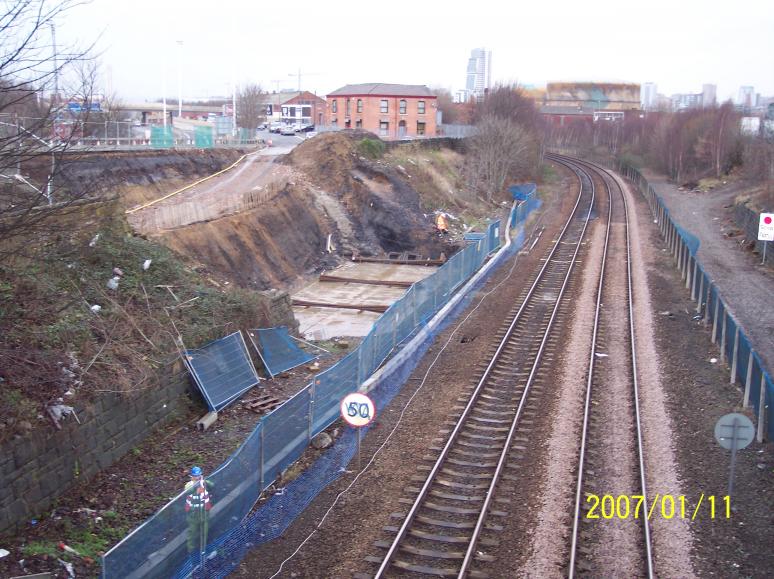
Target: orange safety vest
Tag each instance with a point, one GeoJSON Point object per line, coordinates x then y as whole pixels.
{"type": "Point", "coordinates": [199, 497]}
{"type": "Point", "coordinates": [440, 223]}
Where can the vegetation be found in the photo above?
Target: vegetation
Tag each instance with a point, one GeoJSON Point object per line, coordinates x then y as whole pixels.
{"type": "Point", "coordinates": [371, 148]}
{"type": "Point", "coordinates": [65, 332]}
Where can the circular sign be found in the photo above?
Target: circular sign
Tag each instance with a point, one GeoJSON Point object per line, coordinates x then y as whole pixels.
{"type": "Point", "coordinates": [357, 409]}
{"type": "Point", "coordinates": [767, 220]}
{"type": "Point", "coordinates": [734, 426]}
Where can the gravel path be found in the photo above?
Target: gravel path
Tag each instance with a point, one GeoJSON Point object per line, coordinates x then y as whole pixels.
{"type": "Point", "coordinates": [747, 287]}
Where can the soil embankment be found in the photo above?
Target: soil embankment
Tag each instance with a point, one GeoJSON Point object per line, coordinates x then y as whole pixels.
{"type": "Point", "coordinates": [324, 190]}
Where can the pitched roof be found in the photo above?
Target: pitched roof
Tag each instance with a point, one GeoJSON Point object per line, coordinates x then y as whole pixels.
{"type": "Point", "coordinates": [382, 89]}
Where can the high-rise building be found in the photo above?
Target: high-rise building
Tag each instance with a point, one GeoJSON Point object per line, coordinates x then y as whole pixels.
{"type": "Point", "coordinates": [648, 96]}
{"type": "Point", "coordinates": [479, 75]}
{"type": "Point", "coordinates": [708, 95]}
{"type": "Point", "coordinates": [746, 96]}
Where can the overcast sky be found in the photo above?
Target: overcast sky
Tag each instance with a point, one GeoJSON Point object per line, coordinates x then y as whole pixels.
{"type": "Point", "coordinates": [678, 44]}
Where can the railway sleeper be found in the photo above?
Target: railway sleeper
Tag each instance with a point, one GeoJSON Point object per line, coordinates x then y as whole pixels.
{"type": "Point", "coordinates": [424, 569]}
{"type": "Point", "coordinates": [452, 484]}
{"type": "Point", "coordinates": [459, 539]}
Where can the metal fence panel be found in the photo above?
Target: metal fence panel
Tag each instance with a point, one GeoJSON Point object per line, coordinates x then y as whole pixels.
{"type": "Point", "coordinates": [331, 386]}
{"type": "Point", "coordinates": [286, 434]}
{"type": "Point", "coordinates": [222, 369]}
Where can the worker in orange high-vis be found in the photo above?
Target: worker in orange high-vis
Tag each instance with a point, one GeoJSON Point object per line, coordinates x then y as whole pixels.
{"type": "Point", "coordinates": [441, 224]}
{"type": "Point", "coordinates": [198, 502]}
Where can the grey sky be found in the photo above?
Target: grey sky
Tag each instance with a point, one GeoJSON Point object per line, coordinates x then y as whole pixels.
{"type": "Point", "coordinates": [678, 44]}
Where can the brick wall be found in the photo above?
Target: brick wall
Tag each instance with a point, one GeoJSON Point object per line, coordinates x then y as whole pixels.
{"type": "Point", "coordinates": [38, 468]}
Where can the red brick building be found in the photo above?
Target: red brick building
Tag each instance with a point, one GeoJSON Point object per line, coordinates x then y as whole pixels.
{"type": "Point", "coordinates": [392, 111]}
{"type": "Point", "coordinates": [304, 109]}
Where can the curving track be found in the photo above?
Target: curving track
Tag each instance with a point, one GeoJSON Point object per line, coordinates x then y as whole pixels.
{"type": "Point", "coordinates": [611, 458]}
{"type": "Point", "coordinates": [451, 517]}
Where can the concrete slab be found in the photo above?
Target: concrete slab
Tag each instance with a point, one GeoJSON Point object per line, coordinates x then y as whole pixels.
{"type": "Point", "coordinates": [321, 323]}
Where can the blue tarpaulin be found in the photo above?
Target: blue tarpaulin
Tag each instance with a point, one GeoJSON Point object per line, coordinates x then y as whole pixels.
{"type": "Point", "coordinates": [278, 350]}
{"type": "Point", "coordinates": [523, 191]}
{"type": "Point", "coordinates": [223, 370]}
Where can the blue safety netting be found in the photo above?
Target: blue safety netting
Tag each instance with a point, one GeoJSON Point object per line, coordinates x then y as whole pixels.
{"type": "Point", "coordinates": [522, 192]}
{"type": "Point", "coordinates": [162, 137]}
{"type": "Point", "coordinates": [222, 369]}
{"type": "Point", "coordinates": [278, 350]}
{"type": "Point", "coordinates": [159, 546]}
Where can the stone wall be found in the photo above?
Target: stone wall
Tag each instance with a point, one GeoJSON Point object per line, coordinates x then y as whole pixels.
{"type": "Point", "coordinates": [39, 467]}
{"type": "Point", "coordinates": [748, 220]}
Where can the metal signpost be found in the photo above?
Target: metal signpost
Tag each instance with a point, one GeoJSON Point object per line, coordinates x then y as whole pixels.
{"type": "Point", "coordinates": [734, 431]}
{"type": "Point", "coordinates": [766, 231]}
{"type": "Point", "coordinates": [357, 410]}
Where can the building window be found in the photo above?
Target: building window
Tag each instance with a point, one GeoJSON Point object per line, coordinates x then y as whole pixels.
{"type": "Point", "coordinates": [334, 106]}
{"type": "Point", "coordinates": [384, 107]}
{"type": "Point", "coordinates": [349, 108]}
{"type": "Point", "coordinates": [358, 124]}
{"type": "Point", "coordinates": [421, 107]}
{"type": "Point", "coordinates": [403, 106]}
{"type": "Point", "coordinates": [420, 128]}
{"type": "Point", "coordinates": [360, 105]}
{"type": "Point", "coordinates": [384, 127]}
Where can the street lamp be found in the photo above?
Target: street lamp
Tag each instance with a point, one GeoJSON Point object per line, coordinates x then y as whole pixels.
{"type": "Point", "coordinates": [179, 79]}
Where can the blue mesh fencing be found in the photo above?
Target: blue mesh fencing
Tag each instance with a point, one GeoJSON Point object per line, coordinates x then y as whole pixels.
{"type": "Point", "coordinates": [281, 437]}
{"type": "Point", "coordinates": [222, 370]}
{"type": "Point", "coordinates": [749, 369]}
{"type": "Point", "coordinates": [277, 349]}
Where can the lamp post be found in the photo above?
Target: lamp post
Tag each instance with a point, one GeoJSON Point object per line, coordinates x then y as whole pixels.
{"type": "Point", "coordinates": [179, 79]}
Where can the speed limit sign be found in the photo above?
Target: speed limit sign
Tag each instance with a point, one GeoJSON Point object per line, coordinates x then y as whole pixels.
{"type": "Point", "coordinates": [357, 409]}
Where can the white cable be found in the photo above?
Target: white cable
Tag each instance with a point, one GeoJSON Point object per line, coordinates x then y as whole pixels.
{"type": "Point", "coordinates": [403, 411]}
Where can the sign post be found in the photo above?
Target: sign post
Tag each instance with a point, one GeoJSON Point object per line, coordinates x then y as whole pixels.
{"type": "Point", "coordinates": [766, 231]}
{"type": "Point", "coordinates": [357, 410]}
{"type": "Point", "coordinates": [734, 431]}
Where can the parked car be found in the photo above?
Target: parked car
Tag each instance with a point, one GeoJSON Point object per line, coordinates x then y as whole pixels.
{"type": "Point", "coordinates": [306, 128]}
{"type": "Point", "coordinates": [275, 127]}
{"type": "Point", "coordinates": [288, 130]}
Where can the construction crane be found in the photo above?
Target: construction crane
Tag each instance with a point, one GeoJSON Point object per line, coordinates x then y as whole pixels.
{"type": "Point", "coordinates": [299, 75]}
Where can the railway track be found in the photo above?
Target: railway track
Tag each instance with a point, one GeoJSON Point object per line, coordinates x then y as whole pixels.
{"type": "Point", "coordinates": [451, 520]}
{"type": "Point", "coordinates": [606, 539]}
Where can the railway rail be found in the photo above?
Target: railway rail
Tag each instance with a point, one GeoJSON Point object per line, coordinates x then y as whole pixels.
{"type": "Point", "coordinates": [450, 517]}
{"type": "Point", "coordinates": [611, 456]}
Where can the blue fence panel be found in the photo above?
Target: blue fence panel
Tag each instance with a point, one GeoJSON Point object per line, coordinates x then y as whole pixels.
{"type": "Point", "coordinates": [277, 349]}
{"type": "Point", "coordinates": [424, 299]}
{"type": "Point", "coordinates": [405, 316]}
{"type": "Point", "coordinates": [285, 434]}
{"type": "Point", "coordinates": [222, 369]}
{"type": "Point", "coordinates": [730, 332]}
{"type": "Point", "coordinates": [331, 386]}
{"type": "Point", "coordinates": [744, 358]}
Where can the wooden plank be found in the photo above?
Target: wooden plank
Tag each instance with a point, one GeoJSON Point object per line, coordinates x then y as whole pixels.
{"type": "Point", "coordinates": [379, 309]}
{"type": "Point", "coordinates": [394, 283]}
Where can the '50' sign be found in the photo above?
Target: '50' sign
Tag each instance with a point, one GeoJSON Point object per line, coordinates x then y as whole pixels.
{"type": "Point", "coordinates": [357, 409]}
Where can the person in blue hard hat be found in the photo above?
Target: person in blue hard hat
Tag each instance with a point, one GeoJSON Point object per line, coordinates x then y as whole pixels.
{"type": "Point", "coordinates": [198, 502]}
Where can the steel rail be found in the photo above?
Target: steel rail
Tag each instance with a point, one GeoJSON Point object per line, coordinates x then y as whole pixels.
{"type": "Point", "coordinates": [601, 171]}
{"type": "Point", "coordinates": [470, 553]}
{"type": "Point", "coordinates": [402, 531]}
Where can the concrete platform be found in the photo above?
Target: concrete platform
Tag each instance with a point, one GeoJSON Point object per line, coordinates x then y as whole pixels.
{"type": "Point", "coordinates": [320, 323]}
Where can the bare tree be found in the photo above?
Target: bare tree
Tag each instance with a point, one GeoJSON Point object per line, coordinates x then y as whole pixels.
{"type": "Point", "coordinates": [500, 151]}
{"type": "Point", "coordinates": [251, 106]}
{"type": "Point", "coordinates": [32, 143]}
{"type": "Point", "coordinates": [447, 106]}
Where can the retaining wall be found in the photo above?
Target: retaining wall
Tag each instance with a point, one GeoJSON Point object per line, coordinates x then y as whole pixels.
{"type": "Point", "coordinates": [38, 468]}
